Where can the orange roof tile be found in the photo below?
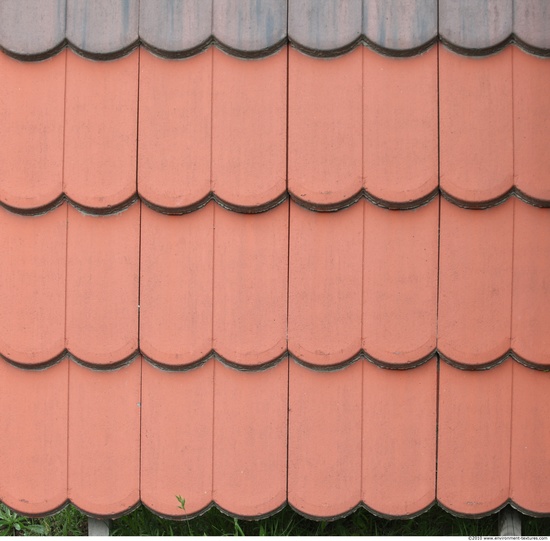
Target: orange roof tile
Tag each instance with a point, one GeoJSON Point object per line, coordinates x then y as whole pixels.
{"type": "Point", "coordinates": [531, 293]}
{"type": "Point", "coordinates": [173, 248]}
{"type": "Point", "coordinates": [324, 288]}
{"type": "Point", "coordinates": [324, 129]}
{"type": "Point", "coordinates": [177, 413]}
{"type": "Point", "coordinates": [100, 131]}
{"type": "Point", "coordinates": [324, 440]}
{"type": "Point", "coordinates": [31, 140]}
{"type": "Point", "coordinates": [399, 439]}
{"type": "Point", "coordinates": [475, 283]}
{"type": "Point", "coordinates": [400, 248]}
{"type": "Point", "coordinates": [33, 449]}
{"type": "Point", "coordinates": [248, 130]}
{"type": "Point", "coordinates": [400, 131]}
{"type": "Point", "coordinates": [476, 127]}
{"type": "Point", "coordinates": [33, 286]}
{"type": "Point", "coordinates": [531, 126]}
{"type": "Point", "coordinates": [529, 475]}
{"type": "Point", "coordinates": [174, 131]}
{"type": "Point", "coordinates": [474, 432]}
{"type": "Point", "coordinates": [249, 276]}
{"type": "Point", "coordinates": [102, 286]}
{"type": "Point", "coordinates": [250, 440]}
{"type": "Point", "coordinates": [250, 286]}
{"type": "Point", "coordinates": [104, 438]}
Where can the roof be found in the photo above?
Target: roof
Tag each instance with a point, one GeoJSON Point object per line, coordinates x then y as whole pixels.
{"type": "Point", "coordinates": [266, 252]}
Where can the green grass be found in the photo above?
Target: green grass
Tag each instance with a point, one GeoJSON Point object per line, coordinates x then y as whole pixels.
{"type": "Point", "coordinates": [287, 522]}
{"type": "Point", "coordinates": [70, 521]}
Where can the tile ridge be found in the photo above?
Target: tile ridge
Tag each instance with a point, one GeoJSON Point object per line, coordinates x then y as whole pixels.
{"type": "Point", "coordinates": [185, 209]}
{"type": "Point", "coordinates": [178, 54]}
{"type": "Point", "coordinates": [475, 367]}
{"type": "Point", "coordinates": [185, 516]}
{"type": "Point", "coordinates": [401, 205]}
{"type": "Point", "coordinates": [212, 354]}
{"type": "Point", "coordinates": [39, 365]}
{"type": "Point", "coordinates": [326, 368]}
{"type": "Point", "coordinates": [119, 207]}
{"type": "Point", "coordinates": [399, 53]}
{"type": "Point", "coordinates": [111, 55]}
{"type": "Point", "coordinates": [179, 367]}
{"type": "Point", "coordinates": [266, 365]}
{"type": "Point", "coordinates": [347, 202]}
{"type": "Point", "coordinates": [213, 504]}
{"type": "Point", "coordinates": [530, 200]}
{"type": "Point", "coordinates": [243, 53]}
{"type": "Point", "coordinates": [103, 367]}
{"type": "Point", "coordinates": [357, 506]}
{"type": "Point", "coordinates": [35, 211]}
{"type": "Point", "coordinates": [473, 515]}
{"type": "Point", "coordinates": [478, 205]}
{"type": "Point", "coordinates": [325, 53]}
{"type": "Point", "coordinates": [400, 366]}
{"type": "Point", "coordinates": [35, 57]}
{"type": "Point", "coordinates": [53, 511]}
{"type": "Point", "coordinates": [525, 510]}
{"type": "Point", "coordinates": [251, 368]}
{"type": "Point", "coordinates": [84, 209]}
{"type": "Point", "coordinates": [326, 207]}
{"type": "Point", "coordinates": [512, 39]}
{"type": "Point", "coordinates": [197, 363]}
{"type": "Point", "coordinates": [528, 48]}
{"type": "Point", "coordinates": [252, 209]}
{"type": "Point", "coordinates": [268, 514]}
{"type": "Point", "coordinates": [529, 364]}
{"type": "Point", "coordinates": [126, 511]}
{"type": "Point", "coordinates": [473, 51]}
{"type": "Point", "coordinates": [415, 514]}
{"type": "Point", "coordinates": [108, 210]}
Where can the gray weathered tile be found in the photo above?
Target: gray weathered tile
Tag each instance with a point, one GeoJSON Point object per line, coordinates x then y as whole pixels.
{"type": "Point", "coordinates": [249, 26]}
{"type": "Point", "coordinates": [475, 24]}
{"type": "Point", "coordinates": [532, 22]}
{"type": "Point", "coordinates": [400, 25]}
{"type": "Point", "coordinates": [31, 27]}
{"type": "Point", "coordinates": [324, 25]}
{"type": "Point", "coordinates": [34, 29]}
{"type": "Point", "coordinates": [102, 27]}
{"type": "Point", "coordinates": [175, 26]}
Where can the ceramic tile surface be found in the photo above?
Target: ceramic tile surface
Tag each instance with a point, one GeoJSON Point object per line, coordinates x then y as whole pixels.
{"type": "Point", "coordinates": [266, 253]}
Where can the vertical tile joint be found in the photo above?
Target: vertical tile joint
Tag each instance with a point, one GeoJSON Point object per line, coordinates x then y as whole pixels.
{"type": "Point", "coordinates": [363, 202]}
{"type": "Point", "coordinates": [140, 405]}
{"type": "Point", "coordinates": [438, 360]}
{"type": "Point", "coordinates": [289, 360]}
{"type": "Point", "coordinates": [509, 519]}
{"type": "Point", "coordinates": [212, 488]}
{"type": "Point", "coordinates": [66, 259]}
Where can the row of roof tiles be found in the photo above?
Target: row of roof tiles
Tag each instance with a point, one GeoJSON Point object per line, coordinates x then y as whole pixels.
{"type": "Point", "coordinates": [34, 29]}
{"type": "Point", "coordinates": [327, 287]}
{"type": "Point", "coordinates": [394, 441]}
{"type": "Point", "coordinates": [250, 133]}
